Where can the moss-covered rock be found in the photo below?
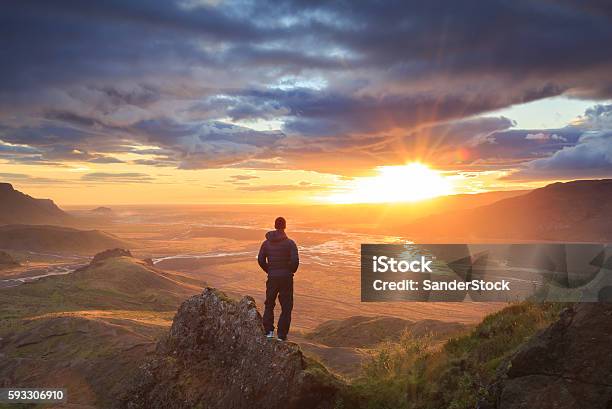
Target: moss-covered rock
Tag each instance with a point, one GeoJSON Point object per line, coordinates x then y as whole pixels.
{"type": "Point", "coordinates": [216, 355]}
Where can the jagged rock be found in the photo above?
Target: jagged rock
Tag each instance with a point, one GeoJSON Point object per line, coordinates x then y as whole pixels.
{"type": "Point", "coordinates": [149, 262]}
{"type": "Point", "coordinates": [567, 366]}
{"type": "Point", "coordinates": [217, 356]}
{"type": "Point", "coordinates": [111, 253]}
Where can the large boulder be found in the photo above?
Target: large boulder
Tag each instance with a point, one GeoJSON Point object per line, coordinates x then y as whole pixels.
{"type": "Point", "coordinates": [217, 356]}
{"type": "Point", "coordinates": [567, 366]}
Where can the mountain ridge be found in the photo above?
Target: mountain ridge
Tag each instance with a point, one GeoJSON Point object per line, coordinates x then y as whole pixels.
{"type": "Point", "coordinates": [564, 211]}
{"type": "Point", "coordinates": [19, 208]}
{"type": "Point", "coordinates": [41, 237]}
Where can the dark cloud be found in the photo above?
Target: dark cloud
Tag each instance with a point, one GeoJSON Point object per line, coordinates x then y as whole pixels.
{"type": "Point", "coordinates": [126, 177]}
{"type": "Point", "coordinates": [155, 162]}
{"type": "Point", "coordinates": [6, 149]}
{"type": "Point", "coordinates": [340, 85]}
{"type": "Point", "coordinates": [590, 154]}
{"type": "Point", "coordinates": [590, 158]}
{"type": "Point", "coordinates": [22, 178]}
{"type": "Point", "coordinates": [106, 159]}
{"type": "Point", "coordinates": [207, 144]}
{"type": "Point", "coordinates": [526, 144]}
{"type": "Point", "coordinates": [315, 113]}
{"type": "Point", "coordinates": [241, 179]}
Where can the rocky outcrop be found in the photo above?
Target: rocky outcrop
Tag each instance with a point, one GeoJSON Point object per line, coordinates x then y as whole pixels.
{"type": "Point", "coordinates": [567, 366]}
{"type": "Point", "coordinates": [111, 253]}
{"type": "Point", "coordinates": [217, 356]}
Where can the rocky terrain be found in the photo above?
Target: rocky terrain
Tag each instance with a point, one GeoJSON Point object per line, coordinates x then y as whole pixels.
{"type": "Point", "coordinates": [217, 356]}
{"type": "Point", "coordinates": [567, 366]}
{"type": "Point", "coordinates": [102, 332]}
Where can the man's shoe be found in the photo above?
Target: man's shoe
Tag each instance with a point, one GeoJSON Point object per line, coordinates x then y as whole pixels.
{"type": "Point", "coordinates": [270, 335]}
{"type": "Point", "coordinates": [281, 339]}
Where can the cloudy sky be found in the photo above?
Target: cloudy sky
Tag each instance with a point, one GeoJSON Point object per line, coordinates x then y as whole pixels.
{"type": "Point", "coordinates": [127, 101]}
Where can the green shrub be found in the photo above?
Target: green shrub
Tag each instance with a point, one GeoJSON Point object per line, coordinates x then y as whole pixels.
{"type": "Point", "coordinates": [415, 373]}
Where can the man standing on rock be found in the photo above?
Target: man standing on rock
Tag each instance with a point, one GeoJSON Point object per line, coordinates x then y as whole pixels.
{"type": "Point", "coordinates": [278, 257]}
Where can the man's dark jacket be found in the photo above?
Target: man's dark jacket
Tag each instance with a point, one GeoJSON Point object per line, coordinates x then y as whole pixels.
{"type": "Point", "coordinates": [278, 255]}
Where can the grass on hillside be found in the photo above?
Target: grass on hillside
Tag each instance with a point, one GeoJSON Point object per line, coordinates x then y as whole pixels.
{"type": "Point", "coordinates": [413, 374]}
{"type": "Point", "coordinates": [118, 284]}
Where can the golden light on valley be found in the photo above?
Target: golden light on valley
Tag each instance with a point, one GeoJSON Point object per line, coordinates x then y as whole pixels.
{"type": "Point", "coordinates": [407, 183]}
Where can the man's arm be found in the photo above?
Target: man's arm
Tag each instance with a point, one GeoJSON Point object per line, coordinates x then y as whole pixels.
{"type": "Point", "coordinates": [295, 258]}
{"type": "Point", "coordinates": [262, 257]}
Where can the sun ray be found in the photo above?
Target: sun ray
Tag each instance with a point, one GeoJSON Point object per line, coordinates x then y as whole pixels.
{"type": "Point", "coordinates": [411, 182]}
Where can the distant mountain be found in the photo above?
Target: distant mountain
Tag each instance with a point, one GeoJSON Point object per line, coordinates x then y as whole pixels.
{"type": "Point", "coordinates": [17, 207]}
{"type": "Point", "coordinates": [103, 211]}
{"type": "Point", "coordinates": [384, 218]}
{"type": "Point", "coordinates": [56, 239]}
{"type": "Point", "coordinates": [573, 211]}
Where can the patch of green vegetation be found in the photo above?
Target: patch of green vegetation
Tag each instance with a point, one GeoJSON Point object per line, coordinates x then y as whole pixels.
{"type": "Point", "coordinates": [317, 370]}
{"type": "Point", "coordinates": [413, 374]}
{"type": "Point", "coordinates": [223, 296]}
{"type": "Point", "coordinates": [119, 283]}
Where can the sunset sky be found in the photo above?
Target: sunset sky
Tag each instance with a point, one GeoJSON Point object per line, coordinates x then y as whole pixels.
{"type": "Point", "coordinates": [133, 101]}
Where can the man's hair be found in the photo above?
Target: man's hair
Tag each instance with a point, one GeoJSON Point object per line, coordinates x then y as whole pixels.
{"type": "Point", "coordinates": [280, 223]}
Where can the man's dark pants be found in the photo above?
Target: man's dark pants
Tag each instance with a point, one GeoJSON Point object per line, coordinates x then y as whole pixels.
{"type": "Point", "coordinates": [283, 288]}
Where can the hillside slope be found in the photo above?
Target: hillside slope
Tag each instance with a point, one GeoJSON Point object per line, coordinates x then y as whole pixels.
{"type": "Point", "coordinates": [567, 366]}
{"type": "Point", "coordinates": [117, 283]}
{"type": "Point", "coordinates": [344, 345]}
{"type": "Point", "coordinates": [573, 211]}
{"type": "Point", "coordinates": [17, 207]}
{"type": "Point", "coordinates": [365, 332]}
{"type": "Point", "coordinates": [57, 239]}
{"type": "Point", "coordinates": [93, 326]}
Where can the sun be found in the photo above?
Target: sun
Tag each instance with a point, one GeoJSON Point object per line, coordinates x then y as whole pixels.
{"type": "Point", "coordinates": [407, 183]}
